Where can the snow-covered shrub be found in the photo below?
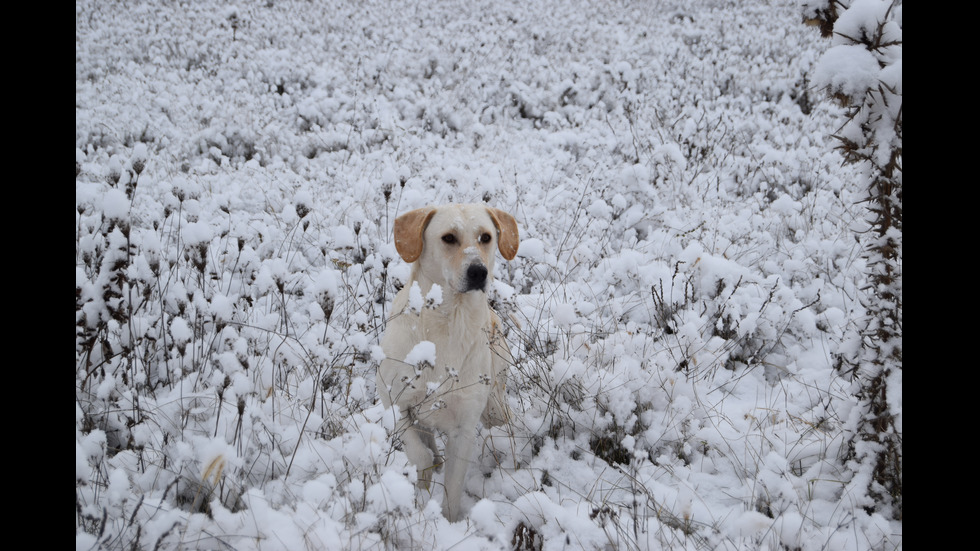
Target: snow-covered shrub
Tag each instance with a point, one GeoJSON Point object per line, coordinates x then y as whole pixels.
{"type": "Point", "coordinates": [863, 71]}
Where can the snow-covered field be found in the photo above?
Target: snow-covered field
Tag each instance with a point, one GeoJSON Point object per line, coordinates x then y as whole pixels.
{"type": "Point", "coordinates": [688, 272]}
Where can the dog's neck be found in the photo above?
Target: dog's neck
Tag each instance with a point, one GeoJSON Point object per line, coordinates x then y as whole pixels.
{"type": "Point", "coordinates": [471, 305]}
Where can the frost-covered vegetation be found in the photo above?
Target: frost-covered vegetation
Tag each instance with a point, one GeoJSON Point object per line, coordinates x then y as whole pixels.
{"type": "Point", "coordinates": [688, 289]}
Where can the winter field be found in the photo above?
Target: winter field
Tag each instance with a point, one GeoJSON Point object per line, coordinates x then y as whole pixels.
{"type": "Point", "coordinates": [688, 275]}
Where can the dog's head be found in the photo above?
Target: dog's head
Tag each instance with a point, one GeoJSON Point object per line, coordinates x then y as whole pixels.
{"type": "Point", "coordinates": [454, 244]}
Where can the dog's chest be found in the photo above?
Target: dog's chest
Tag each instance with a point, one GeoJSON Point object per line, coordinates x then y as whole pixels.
{"type": "Point", "coordinates": [458, 381]}
{"type": "Point", "coordinates": [462, 349]}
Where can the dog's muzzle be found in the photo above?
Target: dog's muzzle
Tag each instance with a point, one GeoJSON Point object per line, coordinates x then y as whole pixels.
{"type": "Point", "coordinates": [476, 278]}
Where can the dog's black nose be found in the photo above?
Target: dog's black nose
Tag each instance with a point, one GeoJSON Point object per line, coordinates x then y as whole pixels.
{"type": "Point", "coordinates": [476, 277]}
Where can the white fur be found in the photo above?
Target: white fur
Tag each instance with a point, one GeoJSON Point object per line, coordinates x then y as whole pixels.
{"type": "Point", "coordinates": [465, 385]}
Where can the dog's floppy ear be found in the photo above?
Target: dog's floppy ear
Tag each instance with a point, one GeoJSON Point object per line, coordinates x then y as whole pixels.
{"type": "Point", "coordinates": [509, 239]}
{"type": "Point", "coordinates": [408, 232]}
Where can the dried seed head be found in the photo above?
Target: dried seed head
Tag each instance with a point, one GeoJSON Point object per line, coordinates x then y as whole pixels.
{"type": "Point", "coordinates": [115, 173]}
{"type": "Point", "coordinates": [302, 210]}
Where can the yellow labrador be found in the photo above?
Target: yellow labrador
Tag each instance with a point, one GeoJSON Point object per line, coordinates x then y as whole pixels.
{"type": "Point", "coordinates": [446, 359]}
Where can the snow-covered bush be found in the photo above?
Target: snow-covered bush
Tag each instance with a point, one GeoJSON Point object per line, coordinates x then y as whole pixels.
{"type": "Point", "coordinates": [863, 71]}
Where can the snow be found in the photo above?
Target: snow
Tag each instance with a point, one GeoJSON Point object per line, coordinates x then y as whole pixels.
{"type": "Point", "coordinates": [415, 300]}
{"type": "Point", "coordinates": [687, 276]}
{"type": "Point", "coordinates": [180, 330]}
{"type": "Point", "coordinates": [115, 205]}
{"type": "Point", "coordinates": [847, 69]}
{"type": "Point", "coordinates": [434, 297]}
{"type": "Point", "coordinates": [532, 248]}
{"type": "Point", "coordinates": [862, 18]}
{"type": "Point", "coordinates": [423, 352]}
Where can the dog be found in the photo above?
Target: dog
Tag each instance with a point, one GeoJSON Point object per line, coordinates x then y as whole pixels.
{"type": "Point", "coordinates": [451, 249]}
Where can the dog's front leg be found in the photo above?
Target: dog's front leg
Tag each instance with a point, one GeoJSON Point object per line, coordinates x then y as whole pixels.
{"type": "Point", "coordinates": [460, 445]}
{"type": "Point", "coordinates": [419, 453]}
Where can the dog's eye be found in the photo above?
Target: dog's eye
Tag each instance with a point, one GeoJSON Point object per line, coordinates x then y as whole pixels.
{"type": "Point", "coordinates": [486, 238]}
{"type": "Point", "coordinates": [449, 238]}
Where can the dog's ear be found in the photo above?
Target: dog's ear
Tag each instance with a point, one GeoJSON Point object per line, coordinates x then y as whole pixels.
{"type": "Point", "coordinates": [509, 238]}
{"type": "Point", "coordinates": [408, 232]}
